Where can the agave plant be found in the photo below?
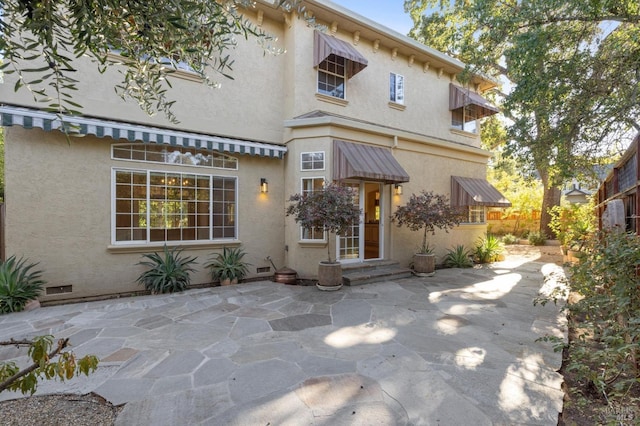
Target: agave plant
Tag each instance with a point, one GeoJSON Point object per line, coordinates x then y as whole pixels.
{"type": "Point", "coordinates": [19, 283]}
{"type": "Point", "coordinates": [488, 249]}
{"type": "Point", "coordinates": [459, 257]}
{"type": "Point", "coordinates": [167, 273]}
{"type": "Point", "coordinates": [228, 265]}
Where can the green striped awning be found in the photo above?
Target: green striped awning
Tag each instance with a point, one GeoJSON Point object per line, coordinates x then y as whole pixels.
{"type": "Point", "coordinates": [30, 118]}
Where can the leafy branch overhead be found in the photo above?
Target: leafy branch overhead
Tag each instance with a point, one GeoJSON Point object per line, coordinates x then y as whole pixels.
{"type": "Point", "coordinates": [42, 42]}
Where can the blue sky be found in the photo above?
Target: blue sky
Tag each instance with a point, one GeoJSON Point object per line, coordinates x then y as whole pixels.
{"type": "Point", "coordinates": [389, 13]}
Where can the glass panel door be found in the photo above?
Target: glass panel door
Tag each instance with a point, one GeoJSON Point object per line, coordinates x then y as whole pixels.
{"type": "Point", "coordinates": [372, 220]}
{"type": "Point", "coordinates": [349, 244]}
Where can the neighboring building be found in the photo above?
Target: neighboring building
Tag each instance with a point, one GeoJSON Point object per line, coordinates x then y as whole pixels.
{"type": "Point", "coordinates": [620, 191]}
{"type": "Point", "coordinates": [360, 104]}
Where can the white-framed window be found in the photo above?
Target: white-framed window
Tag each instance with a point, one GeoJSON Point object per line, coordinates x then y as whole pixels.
{"type": "Point", "coordinates": [310, 185]}
{"type": "Point", "coordinates": [167, 154]}
{"type": "Point", "coordinates": [475, 214]}
{"type": "Point", "coordinates": [332, 77]}
{"type": "Point", "coordinates": [154, 206]}
{"type": "Point", "coordinates": [312, 161]}
{"type": "Point", "coordinates": [465, 119]}
{"type": "Point", "coordinates": [396, 88]}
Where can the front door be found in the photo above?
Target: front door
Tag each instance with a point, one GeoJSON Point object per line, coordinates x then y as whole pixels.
{"type": "Point", "coordinates": [364, 240]}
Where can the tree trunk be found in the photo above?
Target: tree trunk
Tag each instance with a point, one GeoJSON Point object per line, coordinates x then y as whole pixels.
{"type": "Point", "coordinates": [551, 197]}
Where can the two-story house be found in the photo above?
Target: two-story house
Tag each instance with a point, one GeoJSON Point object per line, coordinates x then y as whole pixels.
{"type": "Point", "coordinates": [357, 103]}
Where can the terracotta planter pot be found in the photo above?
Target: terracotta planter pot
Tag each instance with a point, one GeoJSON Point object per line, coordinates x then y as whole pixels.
{"type": "Point", "coordinates": [229, 281]}
{"type": "Point", "coordinates": [329, 276]}
{"type": "Point", "coordinates": [424, 263]}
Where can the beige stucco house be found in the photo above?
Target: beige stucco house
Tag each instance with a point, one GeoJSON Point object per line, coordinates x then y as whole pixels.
{"type": "Point", "coordinates": [358, 103]}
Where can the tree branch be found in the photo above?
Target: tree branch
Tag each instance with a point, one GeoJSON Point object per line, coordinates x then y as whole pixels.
{"type": "Point", "coordinates": [62, 343]}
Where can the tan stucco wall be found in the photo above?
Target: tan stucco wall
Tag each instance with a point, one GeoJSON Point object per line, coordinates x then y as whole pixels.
{"type": "Point", "coordinates": [58, 213]}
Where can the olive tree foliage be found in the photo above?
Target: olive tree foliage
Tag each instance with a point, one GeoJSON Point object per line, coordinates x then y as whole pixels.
{"type": "Point", "coordinates": [570, 73]}
{"type": "Point", "coordinates": [41, 40]}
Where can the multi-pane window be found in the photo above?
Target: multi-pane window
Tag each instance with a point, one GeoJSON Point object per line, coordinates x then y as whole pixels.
{"type": "Point", "coordinates": [161, 153]}
{"type": "Point", "coordinates": [396, 88]}
{"type": "Point", "coordinates": [332, 76]}
{"type": "Point", "coordinates": [475, 214]}
{"type": "Point", "coordinates": [310, 185]}
{"type": "Point", "coordinates": [465, 119]}
{"type": "Point", "coordinates": [312, 160]}
{"type": "Point", "coordinates": [152, 206]}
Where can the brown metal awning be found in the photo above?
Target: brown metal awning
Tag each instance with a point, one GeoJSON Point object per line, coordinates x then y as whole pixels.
{"type": "Point", "coordinates": [460, 98]}
{"type": "Point", "coordinates": [475, 192]}
{"type": "Point", "coordinates": [358, 161]}
{"type": "Point", "coordinates": [325, 45]}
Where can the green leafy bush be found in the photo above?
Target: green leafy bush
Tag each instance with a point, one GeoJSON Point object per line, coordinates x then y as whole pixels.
{"type": "Point", "coordinates": [608, 278]}
{"type": "Point", "coordinates": [228, 265]}
{"type": "Point", "coordinates": [167, 273]}
{"type": "Point", "coordinates": [19, 283]}
{"type": "Point", "coordinates": [488, 249]}
{"type": "Point", "coordinates": [458, 257]}
{"type": "Point", "coordinates": [537, 238]}
{"type": "Point", "coordinates": [510, 239]}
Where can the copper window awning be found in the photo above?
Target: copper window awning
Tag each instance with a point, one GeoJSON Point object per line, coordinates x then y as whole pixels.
{"type": "Point", "coordinates": [460, 98]}
{"type": "Point", "coordinates": [475, 192]}
{"type": "Point", "coordinates": [358, 161]}
{"type": "Point", "coordinates": [325, 46]}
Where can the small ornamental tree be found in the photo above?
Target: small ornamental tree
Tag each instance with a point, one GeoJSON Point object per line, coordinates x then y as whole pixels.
{"type": "Point", "coordinates": [331, 209]}
{"type": "Point", "coordinates": [429, 211]}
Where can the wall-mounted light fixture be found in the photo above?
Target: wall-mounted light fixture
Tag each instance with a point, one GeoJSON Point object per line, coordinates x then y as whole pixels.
{"type": "Point", "coordinates": [398, 189]}
{"type": "Point", "coordinates": [264, 185]}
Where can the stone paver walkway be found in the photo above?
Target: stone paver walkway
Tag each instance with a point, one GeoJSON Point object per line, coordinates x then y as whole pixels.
{"type": "Point", "coordinates": [458, 348]}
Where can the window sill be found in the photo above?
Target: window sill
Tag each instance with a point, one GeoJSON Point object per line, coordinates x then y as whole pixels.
{"type": "Point", "coordinates": [159, 246]}
{"type": "Point", "coordinates": [332, 99]}
{"type": "Point", "coordinates": [309, 243]}
{"type": "Point", "coordinates": [395, 105]}
{"type": "Point", "coordinates": [463, 133]}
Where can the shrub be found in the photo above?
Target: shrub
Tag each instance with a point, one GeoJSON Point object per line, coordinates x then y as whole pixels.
{"type": "Point", "coordinates": [510, 239]}
{"type": "Point", "coordinates": [488, 249]}
{"type": "Point", "coordinates": [167, 273]}
{"type": "Point", "coordinates": [459, 257]}
{"type": "Point", "coordinates": [19, 283]}
{"type": "Point", "coordinates": [537, 238]}
{"type": "Point", "coordinates": [228, 265]}
{"type": "Point", "coordinates": [608, 277]}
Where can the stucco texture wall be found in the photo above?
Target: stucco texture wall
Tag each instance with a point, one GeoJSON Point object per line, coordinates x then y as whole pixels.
{"type": "Point", "coordinates": [58, 213]}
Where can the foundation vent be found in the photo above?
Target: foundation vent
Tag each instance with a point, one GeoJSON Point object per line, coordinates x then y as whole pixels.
{"type": "Point", "coordinates": [263, 269]}
{"type": "Point", "coordinates": [59, 289]}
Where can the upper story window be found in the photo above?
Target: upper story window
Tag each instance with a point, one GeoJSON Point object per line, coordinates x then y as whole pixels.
{"type": "Point", "coordinates": [167, 154]}
{"type": "Point", "coordinates": [312, 160]}
{"type": "Point", "coordinates": [331, 77]}
{"type": "Point", "coordinates": [396, 88]}
{"type": "Point", "coordinates": [467, 107]}
{"type": "Point", "coordinates": [337, 61]}
{"type": "Point", "coordinates": [465, 119]}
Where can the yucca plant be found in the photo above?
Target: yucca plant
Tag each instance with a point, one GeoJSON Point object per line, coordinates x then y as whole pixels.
{"type": "Point", "coordinates": [167, 273]}
{"type": "Point", "coordinates": [19, 283]}
{"type": "Point", "coordinates": [459, 257]}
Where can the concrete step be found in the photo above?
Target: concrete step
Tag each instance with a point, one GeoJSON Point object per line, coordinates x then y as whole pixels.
{"type": "Point", "coordinates": [371, 272]}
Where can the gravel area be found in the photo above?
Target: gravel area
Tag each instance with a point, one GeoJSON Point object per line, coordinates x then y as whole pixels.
{"type": "Point", "coordinates": [58, 410]}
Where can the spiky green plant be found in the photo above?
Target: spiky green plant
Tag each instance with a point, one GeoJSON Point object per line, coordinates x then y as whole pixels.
{"type": "Point", "coordinates": [488, 249]}
{"type": "Point", "coordinates": [19, 283]}
{"type": "Point", "coordinates": [167, 273]}
{"type": "Point", "coordinates": [228, 264]}
{"type": "Point", "coordinates": [458, 257]}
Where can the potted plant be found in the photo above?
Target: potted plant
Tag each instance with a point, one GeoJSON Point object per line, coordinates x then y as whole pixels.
{"type": "Point", "coordinates": [228, 266]}
{"type": "Point", "coordinates": [20, 285]}
{"type": "Point", "coordinates": [426, 211]}
{"type": "Point", "coordinates": [333, 210]}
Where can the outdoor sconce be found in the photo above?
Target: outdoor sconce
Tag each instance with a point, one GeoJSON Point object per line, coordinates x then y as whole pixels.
{"type": "Point", "coordinates": [264, 185]}
{"type": "Point", "coordinates": [398, 189]}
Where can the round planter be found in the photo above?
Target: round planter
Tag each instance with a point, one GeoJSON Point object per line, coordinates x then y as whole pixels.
{"type": "Point", "coordinates": [229, 281]}
{"type": "Point", "coordinates": [424, 263]}
{"type": "Point", "coordinates": [329, 276]}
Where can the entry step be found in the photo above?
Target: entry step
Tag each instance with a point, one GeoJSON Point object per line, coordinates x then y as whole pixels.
{"type": "Point", "coordinates": [372, 272]}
